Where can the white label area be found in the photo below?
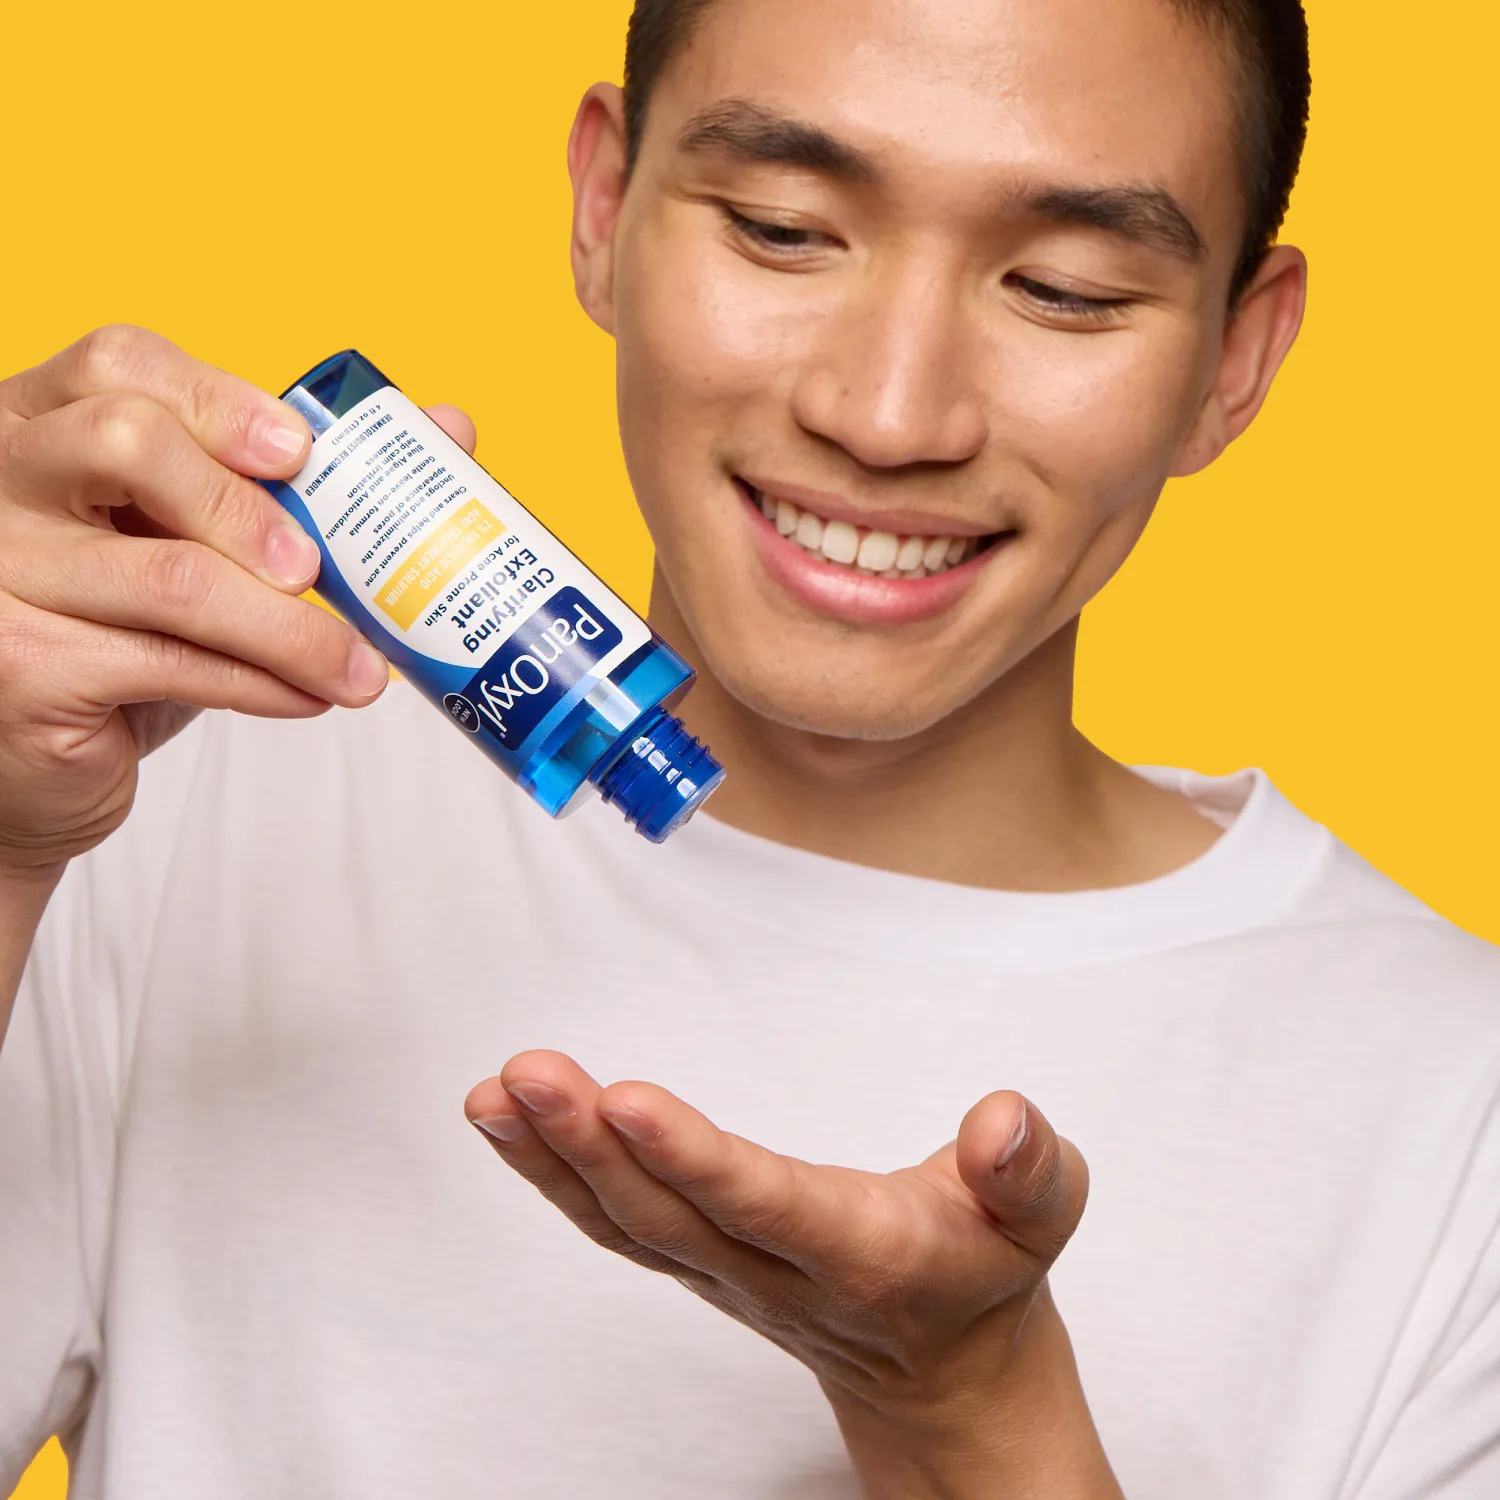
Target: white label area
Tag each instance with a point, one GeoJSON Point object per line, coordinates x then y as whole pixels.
{"type": "Point", "coordinates": [438, 552]}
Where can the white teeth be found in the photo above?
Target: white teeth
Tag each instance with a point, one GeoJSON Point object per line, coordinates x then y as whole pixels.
{"type": "Point", "coordinates": [809, 532]}
{"type": "Point", "coordinates": [880, 554]}
{"type": "Point", "coordinates": [910, 555]}
{"type": "Point", "coordinates": [840, 542]}
{"type": "Point", "coordinates": [878, 551]}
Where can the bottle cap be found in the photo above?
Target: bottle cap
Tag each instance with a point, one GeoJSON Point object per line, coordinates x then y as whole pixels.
{"type": "Point", "coordinates": [662, 778]}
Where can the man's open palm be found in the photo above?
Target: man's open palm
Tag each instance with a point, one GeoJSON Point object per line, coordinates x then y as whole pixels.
{"type": "Point", "coordinates": [899, 1288]}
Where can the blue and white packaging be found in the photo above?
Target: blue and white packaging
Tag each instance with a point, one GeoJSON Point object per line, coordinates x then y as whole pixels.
{"type": "Point", "coordinates": [473, 600]}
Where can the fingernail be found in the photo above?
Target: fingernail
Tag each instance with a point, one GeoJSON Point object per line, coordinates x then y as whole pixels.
{"type": "Point", "coordinates": [630, 1124]}
{"type": "Point", "coordinates": [1014, 1144]}
{"type": "Point", "coordinates": [538, 1098]}
{"type": "Point", "coordinates": [274, 439]}
{"type": "Point", "coordinates": [506, 1128]}
{"type": "Point", "coordinates": [368, 671]}
{"type": "Point", "coordinates": [291, 555]}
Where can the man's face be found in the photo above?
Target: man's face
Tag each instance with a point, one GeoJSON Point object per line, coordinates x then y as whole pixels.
{"type": "Point", "coordinates": [951, 270]}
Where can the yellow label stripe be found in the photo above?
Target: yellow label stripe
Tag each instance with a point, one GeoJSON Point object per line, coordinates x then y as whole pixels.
{"type": "Point", "coordinates": [442, 553]}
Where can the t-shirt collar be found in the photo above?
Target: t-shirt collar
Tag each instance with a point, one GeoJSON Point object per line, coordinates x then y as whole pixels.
{"type": "Point", "coordinates": [1267, 855]}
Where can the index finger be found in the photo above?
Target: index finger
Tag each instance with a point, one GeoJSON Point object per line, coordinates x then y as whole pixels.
{"type": "Point", "coordinates": [237, 423]}
{"type": "Point", "coordinates": [558, 1096]}
{"type": "Point", "coordinates": [775, 1203]}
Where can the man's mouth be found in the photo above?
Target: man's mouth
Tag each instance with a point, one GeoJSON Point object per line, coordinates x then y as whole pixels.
{"type": "Point", "coordinates": [867, 550]}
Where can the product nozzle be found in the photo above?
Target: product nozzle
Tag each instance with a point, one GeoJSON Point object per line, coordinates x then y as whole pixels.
{"type": "Point", "coordinates": [662, 778]}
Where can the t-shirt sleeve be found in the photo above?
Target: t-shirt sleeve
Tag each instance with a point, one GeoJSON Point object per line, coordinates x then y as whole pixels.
{"type": "Point", "coordinates": [63, 1071]}
{"type": "Point", "coordinates": [1443, 1440]}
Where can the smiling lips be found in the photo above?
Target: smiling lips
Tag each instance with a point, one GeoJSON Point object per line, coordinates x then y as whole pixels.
{"type": "Point", "coordinates": [881, 554]}
{"type": "Point", "coordinates": [863, 573]}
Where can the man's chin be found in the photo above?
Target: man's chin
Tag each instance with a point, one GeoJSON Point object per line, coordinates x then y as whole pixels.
{"type": "Point", "coordinates": [830, 680]}
{"type": "Point", "coordinates": [835, 709]}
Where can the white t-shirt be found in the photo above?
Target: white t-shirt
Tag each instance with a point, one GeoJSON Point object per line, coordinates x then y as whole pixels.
{"type": "Point", "coordinates": [250, 1248]}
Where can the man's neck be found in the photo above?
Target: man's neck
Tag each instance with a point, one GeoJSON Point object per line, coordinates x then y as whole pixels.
{"type": "Point", "coordinates": [1005, 793]}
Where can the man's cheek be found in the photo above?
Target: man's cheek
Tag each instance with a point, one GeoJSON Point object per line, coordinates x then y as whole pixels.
{"type": "Point", "coordinates": [709, 324]}
{"type": "Point", "coordinates": [1122, 392]}
{"type": "Point", "coordinates": [1110, 446]}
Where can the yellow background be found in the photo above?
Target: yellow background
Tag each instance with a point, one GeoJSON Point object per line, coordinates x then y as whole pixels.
{"type": "Point", "coordinates": [1321, 604]}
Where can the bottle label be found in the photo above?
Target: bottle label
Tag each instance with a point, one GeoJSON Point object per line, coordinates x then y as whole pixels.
{"type": "Point", "coordinates": [452, 565]}
{"type": "Point", "coordinates": [560, 644]}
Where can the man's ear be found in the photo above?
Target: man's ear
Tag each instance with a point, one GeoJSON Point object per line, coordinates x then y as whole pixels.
{"type": "Point", "coordinates": [1256, 340]}
{"type": "Point", "coordinates": [596, 163]}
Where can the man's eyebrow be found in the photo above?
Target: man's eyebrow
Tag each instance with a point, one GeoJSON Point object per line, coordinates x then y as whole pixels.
{"type": "Point", "coordinates": [1149, 216]}
{"type": "Point", "coordinates": [758, 134]}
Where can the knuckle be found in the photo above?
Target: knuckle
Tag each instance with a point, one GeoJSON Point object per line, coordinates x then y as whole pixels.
{"type": "Point", "coordinates": [310, 634]}
{"type": "Point", "coordinates": [124, 430]}
{"type": "Point", "coordinates": [113, 355]}
{"type": "Point", "coordinates": [220, 503]}
{"type": "Point", "coordinates": [207, 406]}
{"type": "Point", "coordinates": [164, 655]}
{"type": "Point", "coordinates": [179, 576]}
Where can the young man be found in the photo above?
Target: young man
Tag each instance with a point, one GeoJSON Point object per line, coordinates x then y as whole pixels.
{"type": "Point", "coordinates": [982, 273]}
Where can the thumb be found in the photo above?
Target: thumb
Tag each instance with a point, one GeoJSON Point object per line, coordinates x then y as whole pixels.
{"type": "Point", "coordinates": [457, 424]}
{"type": "Point", "coordinates": [1032, 1182]}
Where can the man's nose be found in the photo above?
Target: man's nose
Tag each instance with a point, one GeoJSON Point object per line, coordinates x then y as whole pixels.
{"type": "Point", "coordinates": [891, 377]}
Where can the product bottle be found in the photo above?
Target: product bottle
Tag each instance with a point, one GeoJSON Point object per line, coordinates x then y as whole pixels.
{"type": "Point", "coordinates": [477, 604]}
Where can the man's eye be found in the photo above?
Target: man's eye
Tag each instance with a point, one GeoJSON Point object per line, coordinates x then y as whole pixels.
{"type": "Point", "coordinates": [779, 239]}
{"type": "Point", "coordinates": [1071, 304]}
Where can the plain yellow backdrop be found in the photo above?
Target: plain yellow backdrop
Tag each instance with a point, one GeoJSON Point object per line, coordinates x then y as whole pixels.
{"type": "Point", "coordinates": [267, 185]}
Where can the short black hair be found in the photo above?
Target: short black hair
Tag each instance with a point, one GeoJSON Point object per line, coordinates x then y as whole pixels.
{"type": "Point", "coordinates": [1266, 41]}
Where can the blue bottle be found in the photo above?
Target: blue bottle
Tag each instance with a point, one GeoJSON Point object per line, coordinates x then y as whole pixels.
{"type": "Point", "coordinates": [478, 605]}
